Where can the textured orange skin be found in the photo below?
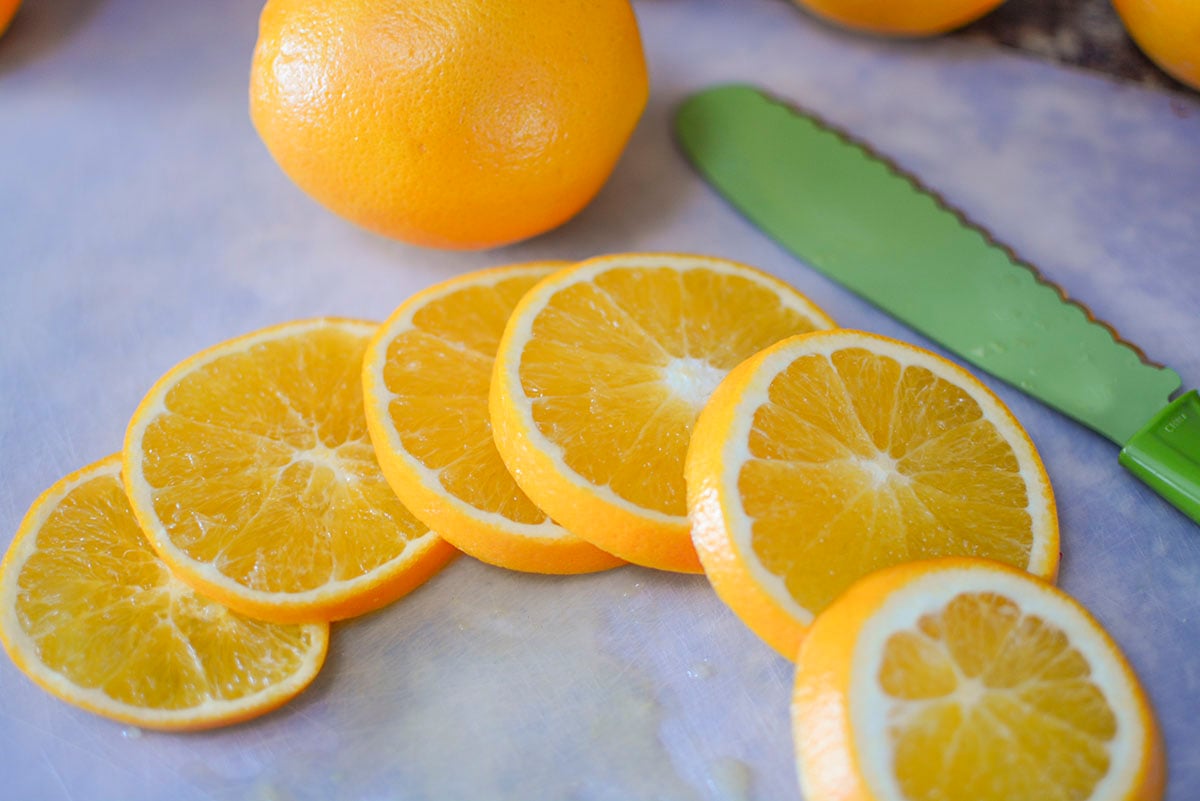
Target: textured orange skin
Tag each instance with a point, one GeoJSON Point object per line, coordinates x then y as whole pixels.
{"type": "Point", "coordinates": [8, 9]}
{"type": "Point", "coordinates": [901, 17]}
{"type": "Point", "coordinates": [1168, 31]}
{"type": "Point", "coordinates": [449, 123]}
{"type": "Point", "coordinates": [827, 761]}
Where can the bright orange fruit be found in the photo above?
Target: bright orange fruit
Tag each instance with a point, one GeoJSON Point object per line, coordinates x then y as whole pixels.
{"type": "Point", "coordinates": [901, 17]}
{"type": "Point", "coordinates": [426, 377]}
{"type": "Point", "coordinates": [600, 375]}
{"type": "Point", "coordinates": [836, 453]}
{"type": "Point", "coordinates": [8, 10]}
{"type": "Point", "coordinates": [969, 680]}
{"type": "Point", "coordinates": [251, 471]}
{"type": "Point", "coordinates": [1168, 31]}
{"type": "Point", "coordinates": [90, 613]}
{"type": "Point", "coordinates": [448, 123]}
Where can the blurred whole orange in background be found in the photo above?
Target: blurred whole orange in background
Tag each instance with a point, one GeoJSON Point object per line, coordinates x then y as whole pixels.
{"type": "Point", "coordinates": [8, 8]}
{"type": "Point", "coordinates": [449, 123]}
{"type": "Point", "coordinates": [1168, 31]}
{"type": "Point", "coordinates": [900, 17]}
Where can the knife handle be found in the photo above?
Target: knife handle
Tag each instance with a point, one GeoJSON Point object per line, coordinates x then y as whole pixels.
{"type": "Point", "coordinates": [1165, 454]}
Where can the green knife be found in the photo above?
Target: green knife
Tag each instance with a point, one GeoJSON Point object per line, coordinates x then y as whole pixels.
{"type": "Point", "coordinates": [861, 220]}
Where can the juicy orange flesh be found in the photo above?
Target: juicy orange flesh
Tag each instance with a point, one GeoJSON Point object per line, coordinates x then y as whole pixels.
{"type": "Point", "coordinates": [858, 462]}
{"type": "Point", "coordinates": [262, 466]}
{"type": "Point", "coordinates": [103, 611]}
{"type": "Point", "coordinates": [991, 704]}
{"type": "Point", "coordinates": [596, 363]}
{"type": "Point", "coordinates": [440, 372]}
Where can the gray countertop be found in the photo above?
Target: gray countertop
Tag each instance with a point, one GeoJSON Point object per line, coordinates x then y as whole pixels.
{"type": "Point", "coordinates": [142, 220]}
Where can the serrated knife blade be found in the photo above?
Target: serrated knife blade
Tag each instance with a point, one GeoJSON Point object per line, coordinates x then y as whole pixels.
{"type": "Point", "coordinates": [863, 221]}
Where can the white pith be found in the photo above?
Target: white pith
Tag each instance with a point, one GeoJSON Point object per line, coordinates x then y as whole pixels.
{"type": "Point", "coordinates": [25, 651]}
{"type": "Point", "coordinates": [142, 494]}
{"type": "Point", "coordinates": [692, 380]}
{"type": "Point", "coordinates": [377, 389]}
{"type": "Point", "coordinates": [881, 469]}
{"type": "Point", "coordinates": [870, 707]}
{"type": "Point", "coordinates": [689, 375]}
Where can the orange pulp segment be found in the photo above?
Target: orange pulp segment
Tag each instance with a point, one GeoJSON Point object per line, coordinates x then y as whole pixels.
{"type": "Point", "coordinates": [90, 613]}
{"type": "Point", "coordinates": [837, 453]}
{"type": "Point", "coordinates": [426, 376]}
{"type": "Point", "coordinates": [969, 680]}
{"type": "Point", "coordinates": [250, 468]}
{"type": "Point", "coordinates": [599, 377]}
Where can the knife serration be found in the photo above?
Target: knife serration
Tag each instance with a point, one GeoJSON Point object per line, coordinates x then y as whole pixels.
{"type": "Point", "coordinates": [863, 221]}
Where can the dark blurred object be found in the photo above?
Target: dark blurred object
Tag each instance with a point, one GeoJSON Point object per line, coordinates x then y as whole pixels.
{"type": "Point", "coordinates": [1084, 33]}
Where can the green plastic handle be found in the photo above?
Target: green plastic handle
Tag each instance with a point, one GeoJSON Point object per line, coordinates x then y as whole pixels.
{"type": "Point", "coordinates": [1165, 454]}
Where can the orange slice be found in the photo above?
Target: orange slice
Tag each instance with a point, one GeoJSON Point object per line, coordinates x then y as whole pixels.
{"type": "Point", "coordinates": [426, 376]}
{"type": "Point", "coordinates": [599, 377]}
{"type": "Point", "coordinates": [250, 469]}
{"type": "Point", "coordinates": [969, 680]}
{"type": "Point", "coordinates": [92, 615]}
{"type": "Point", "coordinates": [837, 453]}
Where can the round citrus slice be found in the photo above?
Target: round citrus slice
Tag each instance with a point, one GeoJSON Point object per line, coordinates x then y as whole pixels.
{"type": "Point", "coordinates": [251, 471]}
{"type": "Point", "coordinates": [968, 680]}
{"type": "Point", "coordinates": [599, 377]}
{"type": "Point", "coordinates": [92, 615]}
{"type": "Point", "coordinates": [426, 376]}
{"type": "Point", "coordinates": [836, 453]}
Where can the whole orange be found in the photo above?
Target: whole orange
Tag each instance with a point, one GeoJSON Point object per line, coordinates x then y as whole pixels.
{"type": "Point", "coordinates": [901, 17]}
{"type": "Point", "coordinates": [8, 9]}
{"type": "Point", "coordinates": [1168, 31]}
{"type": "Point", "coordinates": [449, 123]}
